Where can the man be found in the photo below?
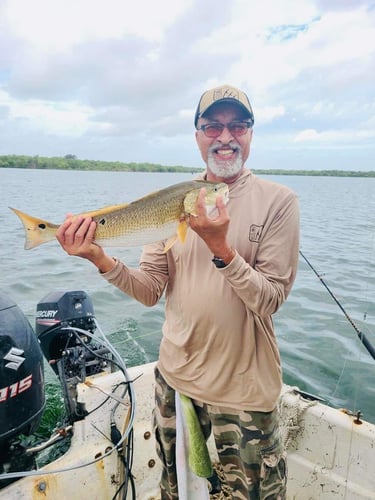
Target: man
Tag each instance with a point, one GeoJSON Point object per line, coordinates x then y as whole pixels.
{"type": "Point", "coordinates": [222, 287]}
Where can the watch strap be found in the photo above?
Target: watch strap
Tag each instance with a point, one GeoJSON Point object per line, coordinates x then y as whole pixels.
{"type": "Point", "coordinates": [219, 263]}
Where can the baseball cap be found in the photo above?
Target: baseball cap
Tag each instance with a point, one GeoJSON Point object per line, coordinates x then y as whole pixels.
{"type": "Point", "coordinates": [224, 93]}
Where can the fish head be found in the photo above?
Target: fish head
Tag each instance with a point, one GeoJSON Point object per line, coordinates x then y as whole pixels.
{"type": "Point", "coordinates": [213, 191]}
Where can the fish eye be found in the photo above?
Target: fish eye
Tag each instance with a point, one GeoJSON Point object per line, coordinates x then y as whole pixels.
{"type": "Point", "coordinates": [42, 226]}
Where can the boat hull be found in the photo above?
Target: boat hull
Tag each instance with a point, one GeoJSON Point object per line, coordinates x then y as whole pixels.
{"type": "Point", "coordinates": [329, 454]}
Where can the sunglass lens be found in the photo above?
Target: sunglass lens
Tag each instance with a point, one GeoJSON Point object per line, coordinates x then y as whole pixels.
{"type": "Point", "coordinates": [213, 130]}
{"type": "Point", "coordinates": [237, 128]}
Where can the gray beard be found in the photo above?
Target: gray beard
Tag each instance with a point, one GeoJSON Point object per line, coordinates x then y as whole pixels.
{"type": "Point", "coordinates": [225, 169]}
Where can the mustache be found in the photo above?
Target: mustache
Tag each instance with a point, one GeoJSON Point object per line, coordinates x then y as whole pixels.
{"type": "Point", "coordinates": [218, 145]}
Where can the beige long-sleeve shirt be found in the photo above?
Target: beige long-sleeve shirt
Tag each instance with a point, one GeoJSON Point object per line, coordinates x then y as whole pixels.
{"type": "Point", "coordinates": [219, 344]}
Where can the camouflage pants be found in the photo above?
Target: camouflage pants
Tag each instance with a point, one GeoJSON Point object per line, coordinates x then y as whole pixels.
{"type": "Point", "coordinates": [248, 444]}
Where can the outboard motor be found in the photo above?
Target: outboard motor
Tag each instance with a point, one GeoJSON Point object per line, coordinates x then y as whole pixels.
{"type": "Point", "coordinates": [65, 324]}
{"type": "Point", "coordinates": [71, 340]}
{"type": "Point", "coordinates": [22, 396]}
{"type": "Point", "coordinates": [56, 313]}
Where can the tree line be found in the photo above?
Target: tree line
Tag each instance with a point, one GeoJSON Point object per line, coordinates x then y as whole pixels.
{"type": "Point", "coordinates": [71, 162]}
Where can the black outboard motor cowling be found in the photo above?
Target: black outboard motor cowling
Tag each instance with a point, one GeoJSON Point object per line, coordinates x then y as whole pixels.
{"type": "Point", "coordinates": [57, 311]}
{"type": "Point", "coordinates": [22, 396]}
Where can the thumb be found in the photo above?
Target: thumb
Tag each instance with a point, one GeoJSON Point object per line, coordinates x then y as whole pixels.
{"type": "Point", "coordinates": [220, 205]}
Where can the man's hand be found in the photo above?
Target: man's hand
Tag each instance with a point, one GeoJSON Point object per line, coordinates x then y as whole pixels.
{"type": "Point", "coordinates": [212, 230]}
{"type": "Point", "coordinates": [76, 236]}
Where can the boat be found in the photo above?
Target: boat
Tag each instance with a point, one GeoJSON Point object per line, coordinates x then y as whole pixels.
{"type": "Point", "coordinates": [106, 444]}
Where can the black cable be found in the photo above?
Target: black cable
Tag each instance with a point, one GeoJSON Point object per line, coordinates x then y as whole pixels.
{"type": "Point", "coordinates": [111, 360]}
{"type": "Point", "coordinates": [128, 463]}
{"type": "Point", "coordinates": [95, 354]}
{"type": "Point", "coordinates": [115, 434]}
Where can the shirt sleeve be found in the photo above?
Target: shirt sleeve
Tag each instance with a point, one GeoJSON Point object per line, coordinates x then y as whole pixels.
{"type": "Point", "coordinates": [147, 283]}
{"type": "Point", "coordinates": [265, 286]}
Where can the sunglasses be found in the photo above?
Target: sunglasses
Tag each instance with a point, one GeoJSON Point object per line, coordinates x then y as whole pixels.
{"type": "Point", "coordinates": [236, 129]}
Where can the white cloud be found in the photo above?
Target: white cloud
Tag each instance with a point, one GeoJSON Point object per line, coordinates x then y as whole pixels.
{"type": "Point", "coordinates": [109, 77]}
{"type": "Point", "coordinates": [268, 114]}
{"type": "Point", "coordinates": [307, 135]}
{"type": "Point", "coordinates": [67, 118]}
{"type": "Point", "coordinates": [60, 24]}
{"type": "Point", "coordinates": [342, 137]}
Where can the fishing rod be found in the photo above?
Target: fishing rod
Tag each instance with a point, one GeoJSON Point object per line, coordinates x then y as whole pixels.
{"type": "Point", "coordinates": [361, 335]}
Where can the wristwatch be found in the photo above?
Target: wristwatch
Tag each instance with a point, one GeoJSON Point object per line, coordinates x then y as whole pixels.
{"type": "Point", "coordinates": [219, 263]}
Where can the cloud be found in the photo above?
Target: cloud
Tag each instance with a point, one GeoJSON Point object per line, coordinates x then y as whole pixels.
{"type": "Point", "coordinates": [65, 24]}
{"type": "Point", "coordinates": [114, 83]}
{"type": "Point", "coordinates": [307, 135]}
{"type": "Point", "coordinates": [268, 114]}
{"type": "Point", "coordinates": [334, 138]}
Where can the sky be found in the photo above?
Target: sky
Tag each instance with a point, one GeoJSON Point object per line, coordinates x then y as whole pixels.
{"type": "Point", "coordinates": [116, 80]}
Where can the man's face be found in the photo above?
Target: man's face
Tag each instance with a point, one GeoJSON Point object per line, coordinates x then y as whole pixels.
{"type": "Point", "coordinates": [226, 154]}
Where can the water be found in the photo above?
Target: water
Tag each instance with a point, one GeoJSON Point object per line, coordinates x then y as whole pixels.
{"type": "Point", "coordinates": [320, 350]}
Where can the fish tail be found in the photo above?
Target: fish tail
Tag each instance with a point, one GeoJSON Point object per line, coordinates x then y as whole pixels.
{"type": "Point", "coordinates": [37, 231]}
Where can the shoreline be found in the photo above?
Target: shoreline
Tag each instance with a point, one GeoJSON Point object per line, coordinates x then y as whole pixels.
{"type": "Point", "coordinates": [70, 162]}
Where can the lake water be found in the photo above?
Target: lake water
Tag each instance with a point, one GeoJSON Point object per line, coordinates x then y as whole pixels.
{"type": "Point", "coordinates": [320, 350]}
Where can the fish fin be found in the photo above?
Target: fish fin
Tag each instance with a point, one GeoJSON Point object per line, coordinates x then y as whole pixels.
{"type": "Point", "coordinates": [182, 229]}
{"type": "Point", "coordinates": [104, 210]}
{"type": "Point", "coordinates": [181, 235]}
{"type": "Point", "coordinates": [169, 243]}
{"type": "Point", "coordinates": [37, 231]}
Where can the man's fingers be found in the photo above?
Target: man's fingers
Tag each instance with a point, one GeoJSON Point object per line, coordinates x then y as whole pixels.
{"type": "Point", "coordinates": [75, 229]}
{"type": "Point", "coordinates": [201, 202]}
{"type": "Point", "coordinates": [220, 205]}
{"type": "Point", "coordinates": [220, 202]}
{"type": "Point", "coordinates": [91, 230]}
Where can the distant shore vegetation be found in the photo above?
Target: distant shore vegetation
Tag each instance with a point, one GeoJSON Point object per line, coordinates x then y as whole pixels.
{"type": "Point", "coordinates": [71, 162]}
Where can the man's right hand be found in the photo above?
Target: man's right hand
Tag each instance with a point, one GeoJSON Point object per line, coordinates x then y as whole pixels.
{"type": "Point", "coordinates": [76, 236]}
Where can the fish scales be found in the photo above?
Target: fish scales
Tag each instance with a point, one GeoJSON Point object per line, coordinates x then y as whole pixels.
{"type": "Point", "coordinates": [150, 214]}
